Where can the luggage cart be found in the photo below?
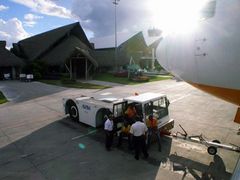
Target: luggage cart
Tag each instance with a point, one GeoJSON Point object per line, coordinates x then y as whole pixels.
{"type": "Point", "coordinates": [212, 146]}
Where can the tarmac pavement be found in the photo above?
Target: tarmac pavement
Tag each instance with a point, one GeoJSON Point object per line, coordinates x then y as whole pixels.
{"type": "Point", "coordinates": [17, 91]}
{"type": "Point", "coordinates": [37, 141]}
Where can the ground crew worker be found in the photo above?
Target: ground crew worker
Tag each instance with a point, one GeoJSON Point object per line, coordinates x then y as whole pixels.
{"type": "Point", "coordinates": [138, 130]}
{"type": "Point", "coordinates": [108, 127]}
{"type": "Point", "coordinates": [152, 125]}
{"type": "Point", "coordinates": [131, 114]}
{"type": "Point", "coordinates": [125, 132]}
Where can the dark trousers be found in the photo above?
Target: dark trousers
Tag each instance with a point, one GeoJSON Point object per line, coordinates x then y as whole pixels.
{"type": "Point", "coordinates": [153, 133]}
{"type": "Point", "coordinates": [139, 144]}
{"type": "Point", "coordinates": [121, 135]}
{"type": "Point", "coordinates": [109, 139]}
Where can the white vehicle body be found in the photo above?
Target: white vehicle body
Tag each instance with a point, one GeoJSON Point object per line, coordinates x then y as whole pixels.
{"type": "Point", "coordinates": [91, 111]}
{"type": "Point", "coordinates": [157, 99]}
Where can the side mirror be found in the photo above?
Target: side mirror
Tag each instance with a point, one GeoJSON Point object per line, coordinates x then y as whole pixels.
{"type": "Point", "coordinates": [167, 102]}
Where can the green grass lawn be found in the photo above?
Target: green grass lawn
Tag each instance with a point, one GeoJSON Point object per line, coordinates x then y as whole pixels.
{"type": "Point", "coordinates": [124, 80]}
{"type": "Point", "coordinates": [74, 84]}
{"type": "Point", "coordinates": [102, 77]}
{"type": "Point", "coordinates": [2, 98]}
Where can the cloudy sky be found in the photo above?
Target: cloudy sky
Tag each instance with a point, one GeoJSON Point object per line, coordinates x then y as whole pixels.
{"type": "Point", "coordinates": [23, 18]}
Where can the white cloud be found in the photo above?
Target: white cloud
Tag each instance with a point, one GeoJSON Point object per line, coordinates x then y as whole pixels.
{"type": "Point", "coordinates": [2, 7]}
{"type": "Point", "coordinates": [31, 19]}
{"type": "Point", "coordinates": [29, 23]}
{"type": "Point", "coordinates": [132, 16]}
{"type": "Point", "coordinates": [4, 35]}
{"type": "Point", "coordinates": [46, 7]}
{"type": "Point", "coordinates": [12, 31]}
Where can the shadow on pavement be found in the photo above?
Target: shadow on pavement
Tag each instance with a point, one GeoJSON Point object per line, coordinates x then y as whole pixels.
{"type": "Point", "coordinates": [16, 91]}
{"type": "Point", "coordinates": [69, 150]}
{"type": "Point", "coordinates": [215, 170]}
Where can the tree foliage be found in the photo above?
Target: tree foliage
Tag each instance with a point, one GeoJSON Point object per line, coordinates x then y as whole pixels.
{"type": "Point", "coordinates": [37, 68]}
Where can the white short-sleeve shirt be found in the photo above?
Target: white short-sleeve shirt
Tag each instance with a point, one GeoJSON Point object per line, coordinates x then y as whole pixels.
{"type": "Point", "coordinates": [108, 125]}
{"type": "Point", "coordinates": [138, 129]}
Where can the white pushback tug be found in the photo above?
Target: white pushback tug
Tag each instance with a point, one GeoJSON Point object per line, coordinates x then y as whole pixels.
{"type": "Point", "coordinates": [91, 111]}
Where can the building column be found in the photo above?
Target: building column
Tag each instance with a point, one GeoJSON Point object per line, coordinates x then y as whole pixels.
{"type": "Point", "coordinates": [153, 59]}
{"type": "Point", "coordinates": [13, 72]}
{"type": "Point", "coordinates": [71, 70]}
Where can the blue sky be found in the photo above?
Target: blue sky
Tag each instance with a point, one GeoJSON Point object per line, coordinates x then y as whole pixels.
{"type": "Point", "coordinates": [20, 19]}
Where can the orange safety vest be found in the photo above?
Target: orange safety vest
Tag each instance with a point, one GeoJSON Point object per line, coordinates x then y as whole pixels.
{"type": "Point", "coordinates": [151, 123]}
{"type": "Point", "coordinates": [131, 112]}
{"type": "Point", "coordinates": [126, 129]}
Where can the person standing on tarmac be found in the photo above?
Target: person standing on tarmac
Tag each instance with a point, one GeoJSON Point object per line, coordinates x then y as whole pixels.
{"type": "Point", "coordinates": [125, 132]}
{"type": "Point", "coordinates": [108, 127]}
{"type": "Point", "coordinates": [153, 130]}
{"type": "Point", "coordinates": [138, 130]}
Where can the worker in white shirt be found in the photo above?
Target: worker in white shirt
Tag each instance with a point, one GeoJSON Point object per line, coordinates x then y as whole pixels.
{"type": "Point", "coordinates": [108, 127]}
{"type": "Point", "coordinates": [138, 130]}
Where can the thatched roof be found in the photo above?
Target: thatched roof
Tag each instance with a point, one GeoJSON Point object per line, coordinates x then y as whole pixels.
{"type": "Point", "coordinates": [104, 57]}
{"type": "Point", "coordinates": [64, 50]}
{"type": "Point", "coordinates": [133, 47]}
{"type": "Point", "coordinates": [35, 47]}
{"type": "Point", "coordinates": [135, 43]}
{"type": "Point", "coordinates": [7, 58]}
{"type": "Point", "coordinates": [88, 55]}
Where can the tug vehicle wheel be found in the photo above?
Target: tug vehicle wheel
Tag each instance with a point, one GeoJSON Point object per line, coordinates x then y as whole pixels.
{"type": "Point", "coordinates": [212, 150]}
{"type": "Point", "coordinates": [73, 111]}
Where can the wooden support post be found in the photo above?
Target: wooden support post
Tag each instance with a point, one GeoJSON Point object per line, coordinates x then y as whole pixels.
{"type": "Point", "coordinates": [71, 76]}
{"type": "Point", "coordinates": [153, 59]}
{"type": "Point", "coordinates": [86, 69]}
{"type": "Point", "coordinates": [13, 72]}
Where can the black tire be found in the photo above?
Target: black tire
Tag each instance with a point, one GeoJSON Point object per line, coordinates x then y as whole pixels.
{"type": "Point", "coordinates": [73, 111]}
{"type": "Point", "coordinates": [216, 141]}
{"type": "Point", "coordinates": [212, 150]}
{"type": "Point", "coordinates": [100, 117]}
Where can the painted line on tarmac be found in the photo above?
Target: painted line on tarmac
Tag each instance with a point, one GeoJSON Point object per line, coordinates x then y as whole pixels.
{"type": "Point", "coordinates": [84, 135]}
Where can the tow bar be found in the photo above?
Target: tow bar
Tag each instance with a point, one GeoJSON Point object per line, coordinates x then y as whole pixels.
{"type": "Point", "coordinates": [211, 145]}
